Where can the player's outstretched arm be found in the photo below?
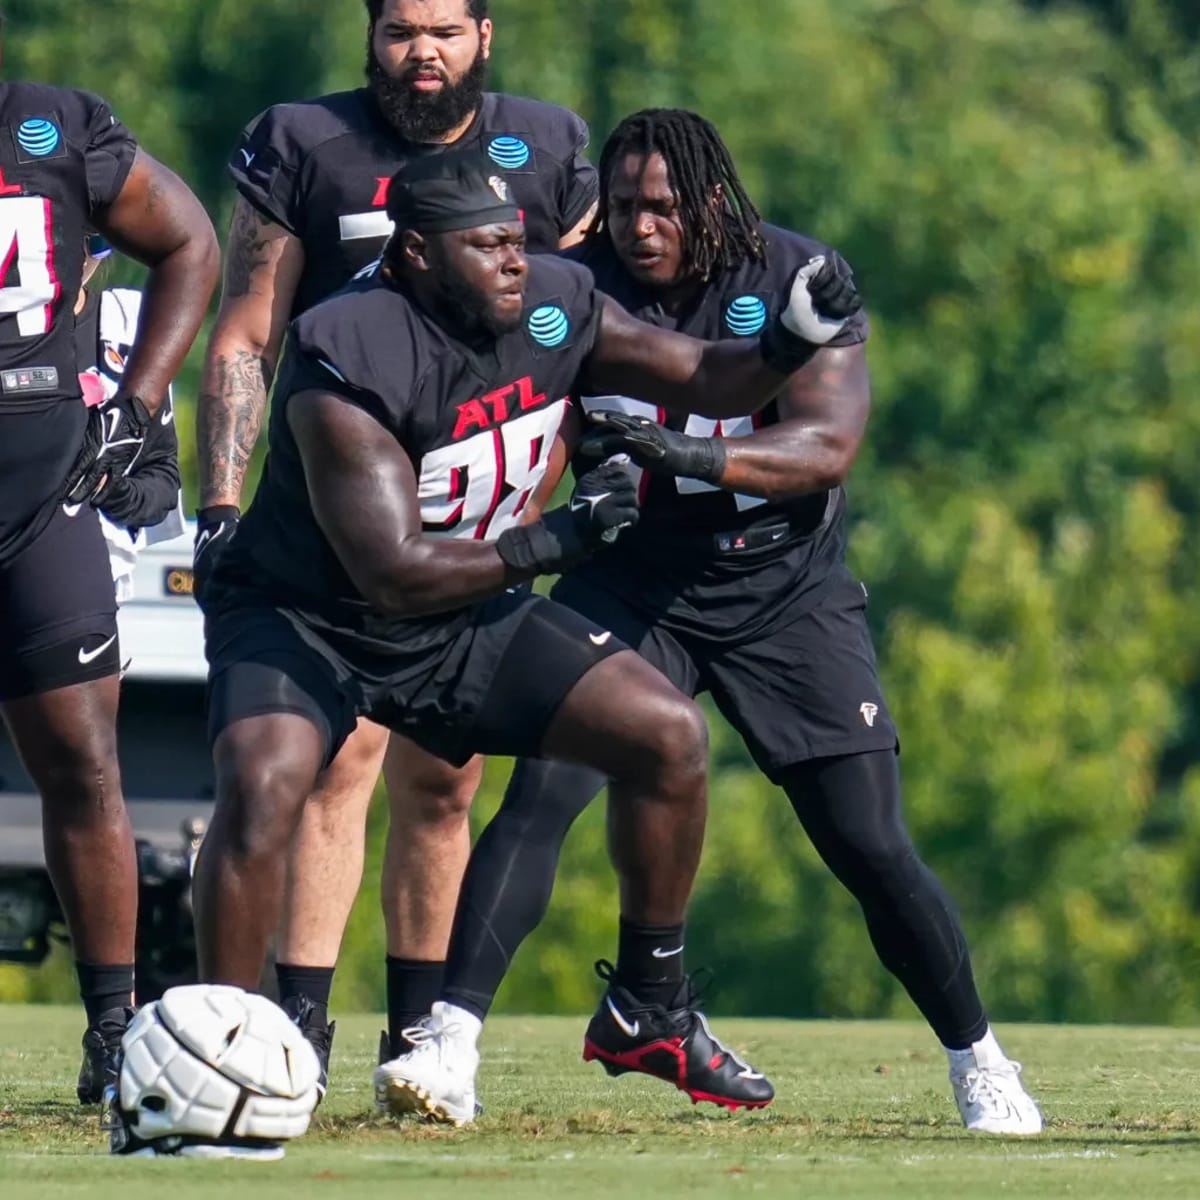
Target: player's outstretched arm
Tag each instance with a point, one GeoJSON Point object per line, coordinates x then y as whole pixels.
{"type": "Point", "coordinates": [730, 378]}
{"type": "Point", "coordinates": [263, 264]}
{"type": "Point", "coordinates": [677, 372]}
{"type": "Point", "coordinates": [159, 222]}
{"type": "Point", "coordinates": [823, 412]}
{"type": "Point", "coordinates": [363, 492]}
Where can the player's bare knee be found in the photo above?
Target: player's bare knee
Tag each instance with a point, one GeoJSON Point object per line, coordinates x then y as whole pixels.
{"type": "Point", "coordinates": [678, 742]}
{"type": "Point", "coordinates": [85, 782]}
{"type": "Point", "coordinates": [260, 803]}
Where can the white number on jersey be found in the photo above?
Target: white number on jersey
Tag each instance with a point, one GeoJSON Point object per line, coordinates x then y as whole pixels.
{"type": "Point", "coordinates": [695, 427]}
{"type": "Point", "coordinates": [462, 486]}
{"type": "Point", "coordinates": [27, 252]}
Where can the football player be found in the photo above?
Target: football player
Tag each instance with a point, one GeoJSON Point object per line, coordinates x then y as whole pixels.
{"type": "Point", "coordinates": [377, 572]}
{"type": "Point", "coordinates": [311, 211]}
{"type": "Point", "coordinates": [68, 165]}
{"type": "Point", "coordinates": [734, 582]}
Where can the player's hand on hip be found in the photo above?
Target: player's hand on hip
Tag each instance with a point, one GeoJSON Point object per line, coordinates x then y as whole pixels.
{"type": "Point", "coordinates": [215, 527]}
{"type": "Point", "coordinates": [652, 446]}
{"type": "Point", "coordinates": [112, 442]}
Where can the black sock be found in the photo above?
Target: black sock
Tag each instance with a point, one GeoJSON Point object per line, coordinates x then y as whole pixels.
{"type": "Point", "coordinates": [314, 983]}
{"type": "Point", "coordinates": [650, 961]}
{"type": "Point", "coordinates": [104, 987]}
{"type": "Point", "coordinates": [412, 988]}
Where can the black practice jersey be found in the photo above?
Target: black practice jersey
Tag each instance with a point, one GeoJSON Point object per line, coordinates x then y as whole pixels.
{"type": "Point", "coordinates": [63, 157]}
{"type": "Point", "coordinates": [689, 556]}
{"type": "Point", "coordinates": [321, 169]}
{"type": "Point", "coordinates": [479, 427]}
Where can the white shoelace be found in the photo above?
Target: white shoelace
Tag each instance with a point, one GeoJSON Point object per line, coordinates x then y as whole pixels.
{"type": "Point", "coordinates": [425, 1031]}
{"type": "Point", "coordinates": [984, 1084]}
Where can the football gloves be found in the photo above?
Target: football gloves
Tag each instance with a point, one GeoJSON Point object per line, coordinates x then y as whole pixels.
{"type": "Point", "coordinates": [214, 527]}
{"type": "Point", "coordinates": [654, 447]}
{"type": "Point", "coordinates": [823, 298]}
{"type": "Point", "coordinates": [603, 503]}
{"type": "Point", "coordinates": [115, 435]}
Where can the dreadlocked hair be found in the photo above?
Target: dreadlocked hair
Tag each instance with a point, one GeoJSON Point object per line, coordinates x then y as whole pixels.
{"type": "Point", "coordinates": [476, 9]}
{"type": "Point", "coordinates": [721, 226]}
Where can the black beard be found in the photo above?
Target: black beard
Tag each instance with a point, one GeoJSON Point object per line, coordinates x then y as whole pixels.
{"type": "Point", "coordinates": [426, 116]}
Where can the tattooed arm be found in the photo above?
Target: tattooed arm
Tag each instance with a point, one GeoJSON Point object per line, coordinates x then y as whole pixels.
{"type": "Point", "coordinates": [263, 263]}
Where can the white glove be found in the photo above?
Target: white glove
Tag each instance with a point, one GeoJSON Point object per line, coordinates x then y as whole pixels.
{"type": "Point", "coordinates": [822, 300]}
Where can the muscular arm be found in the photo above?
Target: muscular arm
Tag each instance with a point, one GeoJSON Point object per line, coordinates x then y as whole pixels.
{"type": "Point", "coordinates": [363, 492]}
{"type": "Point", "coordinates": [159, 222]}
{"type": "Point", "coordinates": [823, 413]}
{"type": "Point", "coordinates": [263, 264]}
{"type": "Point", "coordinates": [677, 372]}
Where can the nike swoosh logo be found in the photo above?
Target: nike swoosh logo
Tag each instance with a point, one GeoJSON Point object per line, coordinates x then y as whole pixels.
{"type": "Point", "coordinates": [626, 1028]}
{"type": "Point", "coordinates": [168, 416]}
{"type": "Point", "coordinates": [659, 952]}
{"type": "Point", "coordinates": [87, 656]}
{"type": "Point", "coordinates": [248, 157]}
{"type": "Point", "coordinates": [600, 639]}
{"type": "Point", "coordinates": [72, 510]}
{"type": "Point", "coordinates": [580, 502]}
{"type": "Point", "coordinates": [114, 415]}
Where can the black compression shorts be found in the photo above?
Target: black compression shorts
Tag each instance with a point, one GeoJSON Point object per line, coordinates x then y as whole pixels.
{"type": "Point", "coordinates": [493, 690]}
{"type": "Point", "coordinates": [58, 608]}
{"type": "Point", "coordinates": [808, 689]}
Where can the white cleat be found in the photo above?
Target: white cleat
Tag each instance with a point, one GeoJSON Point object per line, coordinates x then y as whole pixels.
{"type": "Point", "coordinates": [990, 1095]}
{"type": "Point", "coordinates": [435, 1079]}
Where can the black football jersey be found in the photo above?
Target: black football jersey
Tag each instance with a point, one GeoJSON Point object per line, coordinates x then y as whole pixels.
{"type": "Point", "coordinates": [321, 169]}
{"type": "Point", "coordinates": [478, 426]}
{"type": "Point", "coordinates": [690, 557]}
{"type": "Point", "coordinates": [63, 157]}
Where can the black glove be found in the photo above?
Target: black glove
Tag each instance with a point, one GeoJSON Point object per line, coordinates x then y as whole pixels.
{"type": "Point", "coordinates": [654, 447]}
{"type": "Point", "coordinates": [214, 527]}
{"type": "Point", "coordinates": [115, 435]}
{"type": "Point", "coordinates": [603, 503]}
{"type": "Point", "coordinates": [823, 298]}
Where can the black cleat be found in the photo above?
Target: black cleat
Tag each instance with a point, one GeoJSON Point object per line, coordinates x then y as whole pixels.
{"type": "Point", "coordinates": [319, 1036]}
{"type": "Point", "coordinates": [102, 1055]}
{"type": "Point", "coordinates": [674, 1044]}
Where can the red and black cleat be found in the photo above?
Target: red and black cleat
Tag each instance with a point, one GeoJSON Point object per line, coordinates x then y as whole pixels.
{"type": "Point", "coordinates": [674, 1044]}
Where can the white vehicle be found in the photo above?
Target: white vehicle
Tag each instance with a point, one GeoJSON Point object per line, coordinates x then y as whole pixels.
{"type": "Point", "coordinates": [166, 771]}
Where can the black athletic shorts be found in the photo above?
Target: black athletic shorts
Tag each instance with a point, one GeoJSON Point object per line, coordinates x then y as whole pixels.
{"type": "Point", "coordinates": [493, 690]}
{"type": "Point", "coordinates": [807, 689]}
{"type": "Point", "coordinates": [58, 608]}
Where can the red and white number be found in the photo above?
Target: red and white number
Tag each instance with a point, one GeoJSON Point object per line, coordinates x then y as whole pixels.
{"type": "Point", "coordinates": [478, 487]}
{"type": "Point", "coordinates": [696, 427]}
{"type": "Point", "coordinates": [27, 250]}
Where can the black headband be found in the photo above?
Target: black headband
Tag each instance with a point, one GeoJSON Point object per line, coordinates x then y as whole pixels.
{"type": "Point", "coordinates": [456, 190]}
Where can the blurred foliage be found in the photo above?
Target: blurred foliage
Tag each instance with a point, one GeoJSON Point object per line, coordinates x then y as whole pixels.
{"type": "Point", "coordinates": [1018, 187]}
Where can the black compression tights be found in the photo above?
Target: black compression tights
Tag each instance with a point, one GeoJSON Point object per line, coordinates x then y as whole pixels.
{"type": "Point", "coordinates": [506, 889]}
{"type": "Point", "coordinates": [850, 808]}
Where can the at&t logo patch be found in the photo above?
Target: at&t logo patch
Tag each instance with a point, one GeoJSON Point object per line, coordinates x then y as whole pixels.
{"type": "Point", "coordinates": [549, 326]}
{"type": "Point", "coordinates": [511, 153]}
{"type": "Point", "coordinates": [38, 137]}
{"type": "Point", "coordinates": [746, 316]}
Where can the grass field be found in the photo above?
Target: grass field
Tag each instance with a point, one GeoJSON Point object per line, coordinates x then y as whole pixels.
{"type": "Point", "coordinates": [864, 1111]}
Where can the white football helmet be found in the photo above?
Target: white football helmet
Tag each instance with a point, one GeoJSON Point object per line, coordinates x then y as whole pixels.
{"type": "Point", "coordinates": [213, 1072]}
